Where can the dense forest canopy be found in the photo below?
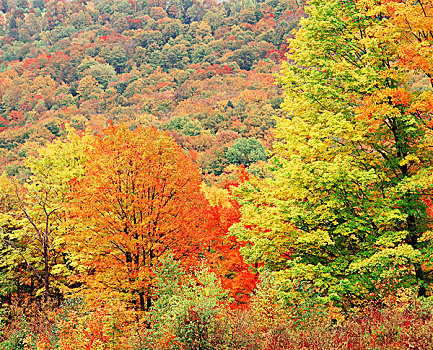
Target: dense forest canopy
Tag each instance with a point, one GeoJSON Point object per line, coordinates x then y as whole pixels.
{"type": "Point", "coordinates": [202, 70]}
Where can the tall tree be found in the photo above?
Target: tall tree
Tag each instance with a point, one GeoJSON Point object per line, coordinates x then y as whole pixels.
{"type": "Point", "coordinates": [352, 165]}
{"type": "Point", "coordinates": [140, 199]}
{"type": "Point", "coordinates": [31, 214]}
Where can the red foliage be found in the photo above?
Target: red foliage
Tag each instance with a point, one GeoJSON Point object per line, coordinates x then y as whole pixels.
{"type": "Point", "coordinates": [223, 251]}
{"type": "Point", "coordinates": [16, 118]}
{"type": "Point", "coordinates": [31, 64]}
{"type": "Point", "coordinates": [275, 54]}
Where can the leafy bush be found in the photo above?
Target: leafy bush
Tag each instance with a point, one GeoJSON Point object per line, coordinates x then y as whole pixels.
{"type": "Point", "coordinates": [187, 308]}
{"type": "Point", "coordinates": [193, 312]}
{"type": "Point", "coordinates": [17, 339]}
{"type": "Point", "coordinates": [394, 328]}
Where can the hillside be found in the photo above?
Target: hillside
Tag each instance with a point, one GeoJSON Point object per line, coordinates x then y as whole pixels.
{"type": "Point", "coordinates": [203, 71]}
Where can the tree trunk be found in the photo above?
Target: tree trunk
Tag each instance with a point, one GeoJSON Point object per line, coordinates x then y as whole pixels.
{"type": "Point", "coordinates": [420, 277]}
{"type": "Point", "coordinates": [46, 273]}
{"type": "Point", "coordinates": [142, 306]}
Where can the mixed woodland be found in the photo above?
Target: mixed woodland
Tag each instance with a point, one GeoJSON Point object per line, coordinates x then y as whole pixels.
{"type": "Point", "coordinates": [194, 174]}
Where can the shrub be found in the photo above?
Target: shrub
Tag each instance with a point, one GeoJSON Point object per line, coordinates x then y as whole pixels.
{"type": "Point", "coordinates": [187, 309]}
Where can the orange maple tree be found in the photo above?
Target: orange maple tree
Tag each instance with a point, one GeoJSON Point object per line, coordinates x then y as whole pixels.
{"type": "Point", "coordinates": [140, 198]}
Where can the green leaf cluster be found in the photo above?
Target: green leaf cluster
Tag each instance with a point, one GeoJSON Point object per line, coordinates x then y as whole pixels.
{"type": "Point", "coordinates": [345, 210]}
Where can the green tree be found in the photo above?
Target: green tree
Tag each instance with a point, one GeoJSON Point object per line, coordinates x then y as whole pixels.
{"type": "Point", "coordinates": [102, 73]}
{"type": "Point", "coordinates": [246, 151]}
{"type": "Point", "coordinates": [116, 57]}
{"type": "Point", "coordinates": [245, 57]}
{"type": "Point", "coordinates": [345, 212]}
{"type": "Point", "coordinates": [187, 307]}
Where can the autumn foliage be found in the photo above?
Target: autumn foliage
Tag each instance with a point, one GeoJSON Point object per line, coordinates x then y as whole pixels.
{"type": "Point", "coordinates": [140, 198]}
{"type": "Point", "coordinates": [203, 174]}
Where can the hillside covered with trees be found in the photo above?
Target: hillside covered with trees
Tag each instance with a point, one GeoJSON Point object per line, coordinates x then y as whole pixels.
{"type": "Point", "coordinates": [203, 71]}
{"type": "Point", "coordinates": [194, 174]}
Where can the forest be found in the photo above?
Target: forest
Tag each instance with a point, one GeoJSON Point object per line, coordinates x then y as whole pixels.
{"type": "Point", "coordinates": [202, 174]}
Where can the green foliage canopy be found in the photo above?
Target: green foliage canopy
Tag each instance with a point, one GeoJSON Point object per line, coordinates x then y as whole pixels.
{"type": "Point", "coordinates": [346, 211]}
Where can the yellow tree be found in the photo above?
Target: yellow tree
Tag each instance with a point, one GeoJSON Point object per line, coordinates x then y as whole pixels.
{"type": "Point", "coordinates": [31, 213]}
